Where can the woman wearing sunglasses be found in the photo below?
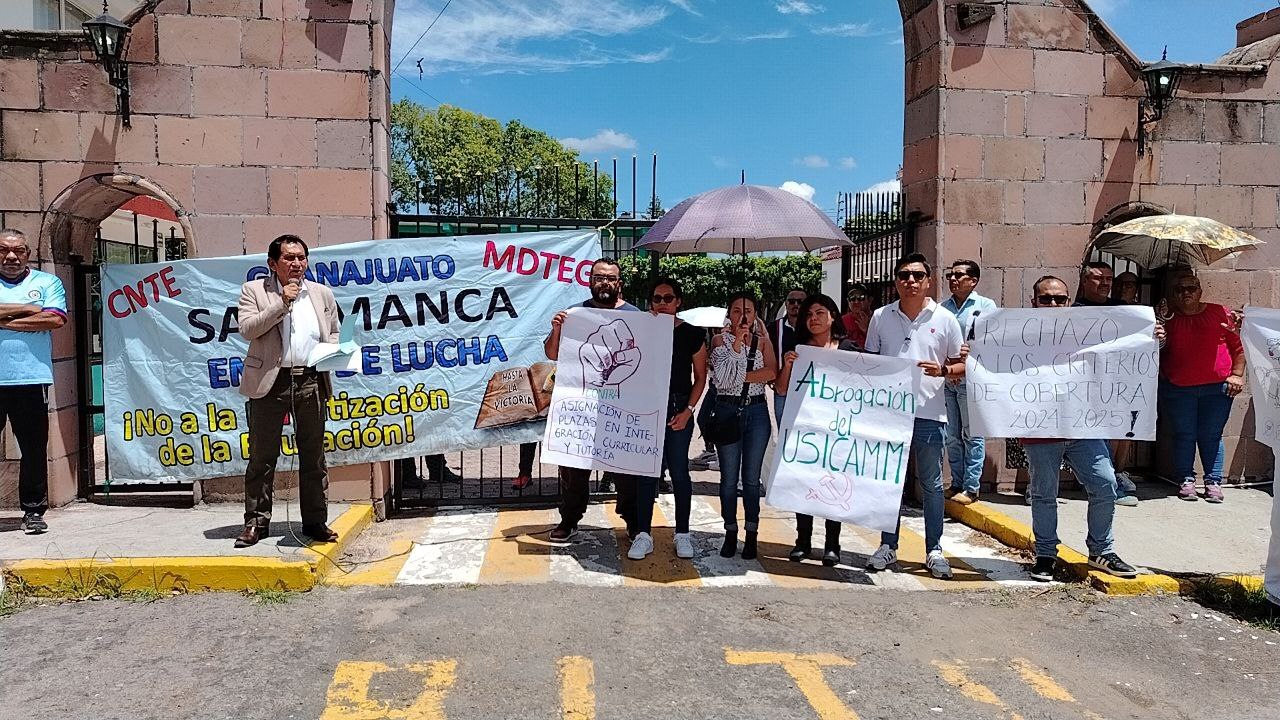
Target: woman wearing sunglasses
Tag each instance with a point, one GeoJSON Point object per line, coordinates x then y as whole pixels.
{"type": "Point", "coordinates": [741, 366]}
{"type": "Point", "coordinates": [819, 326]}
{"type": "Point", "coordinates": [688, 379]}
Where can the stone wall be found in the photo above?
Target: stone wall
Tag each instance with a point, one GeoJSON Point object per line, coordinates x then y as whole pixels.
{"type": "Point", "coordinates": [252, 117]}
{"type": "Point", "coordinates": [1021, 133]}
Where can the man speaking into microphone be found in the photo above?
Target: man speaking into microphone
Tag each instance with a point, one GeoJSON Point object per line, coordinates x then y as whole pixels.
{"type": "Point", "coordinates": [284, 316]}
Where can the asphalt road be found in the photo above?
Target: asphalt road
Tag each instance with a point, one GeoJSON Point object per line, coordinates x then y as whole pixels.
{"type": "Point", "coordinates": [578, 652]}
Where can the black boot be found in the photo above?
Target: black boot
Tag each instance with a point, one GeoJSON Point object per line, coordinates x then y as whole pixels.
{"type": "Point", "coordinates": [831, 556]}
{"type": "Point", "coordinates": [730, 547]}
{"type": "Point", "coordinates": [801, 550]}
{"type": "Point", "coordinates": [749, 546]}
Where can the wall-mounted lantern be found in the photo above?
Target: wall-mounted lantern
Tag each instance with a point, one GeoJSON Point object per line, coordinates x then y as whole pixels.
{"type": "Point", "coordinates": [109, 37]}
{"type": "Point", "coordinates": [1161, 80]}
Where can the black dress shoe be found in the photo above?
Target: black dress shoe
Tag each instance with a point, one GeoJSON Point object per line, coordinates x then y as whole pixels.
{"type": "Point", "coordinates": [250, 536]}
{"type": "Point", "coordinates": [831, 557]}
{"type": "Point", "coordinates": [320, 533]}
{"type": "Point", "coordinates": [799, 552]}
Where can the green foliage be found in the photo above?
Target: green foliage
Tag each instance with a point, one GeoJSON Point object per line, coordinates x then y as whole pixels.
{"type": "Point", "coordinates": [270, 596]}
{"type": "Point", "coordinates": [470, 164]}
{"type": "Point", "coordinates": [1246, 603]}
{"type": "Point", "coordinates": [710, 281]}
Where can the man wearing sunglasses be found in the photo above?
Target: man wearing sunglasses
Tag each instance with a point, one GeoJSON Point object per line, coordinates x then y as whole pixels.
{"type": "Point", "coordinates": [782, 335]}
{"type": "Point", "coordinates": [1090, 460]}
{"type": "Point", "coordinates": [1096, 279]}
{"type": "Point", "coordinates": [606, 294]}
{"type": "Point", "coordinates": [917, 328]}
{"type": "Point", "coordinates": [964, 453]}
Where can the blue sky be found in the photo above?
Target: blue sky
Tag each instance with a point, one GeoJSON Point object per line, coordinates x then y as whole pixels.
{"type": "Point", "coordinates": [801, 91]}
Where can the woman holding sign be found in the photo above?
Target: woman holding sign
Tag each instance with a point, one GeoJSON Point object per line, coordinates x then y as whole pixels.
{"type": "Point", "coordinates": [741, 365]}
{"type": "Point", "coordinates": [1201, 371]}
{"type": "Point", "coordinates": [688, 380]}
{"type": "Point", "coordinates": [819, 327]}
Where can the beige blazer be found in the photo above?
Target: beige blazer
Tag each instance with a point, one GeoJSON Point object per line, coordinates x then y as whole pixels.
{"type": "Point", "coordinates": [262, 311]}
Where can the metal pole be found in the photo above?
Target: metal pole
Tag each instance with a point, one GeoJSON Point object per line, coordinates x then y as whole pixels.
{"type": "Point", "coordinates": [577, 193]}
{"type": "Point", "coordinates": [634, 216]}
{"type": "Point", "coordinates": [653, 195]}
{"type": "Point", "coordinates": [615, 187]}
{"type": "Point", "coordinates": [595, 188]}
{"type": "Point", "coordinates": [557, 195]}
{"type": "Point", "coordinates": [537, 190]}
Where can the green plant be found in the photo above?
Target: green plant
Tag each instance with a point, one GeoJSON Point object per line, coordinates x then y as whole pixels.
{"type": "Point", "coordinates": [270, 596]}
{"type": "Point", "coordinates": [1246, 603]}
{"type": "Point", "coordinates": [708, 281]}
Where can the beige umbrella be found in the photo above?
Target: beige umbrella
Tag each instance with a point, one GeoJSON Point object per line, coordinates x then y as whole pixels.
{"type": "Point", "coordinates": [1158, 240]}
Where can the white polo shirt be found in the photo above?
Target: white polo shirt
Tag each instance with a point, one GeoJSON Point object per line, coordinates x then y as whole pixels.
{"type": "Point", "coordinates": [933, 336]}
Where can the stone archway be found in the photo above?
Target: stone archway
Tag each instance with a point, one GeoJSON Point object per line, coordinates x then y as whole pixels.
{"type": "Point", "coordinates": [71, 220]}
{"type": "Point", "coordinates": [68, 233]}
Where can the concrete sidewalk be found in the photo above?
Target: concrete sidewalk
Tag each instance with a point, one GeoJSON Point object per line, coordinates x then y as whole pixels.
{"type": "Point", "coordinates": [188, 549]}
{"type": "Point", "coordinates": [1166, 534]}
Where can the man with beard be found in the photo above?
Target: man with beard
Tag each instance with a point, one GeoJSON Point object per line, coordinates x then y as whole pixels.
{"type": "Point", "coordinates": [606, 294]}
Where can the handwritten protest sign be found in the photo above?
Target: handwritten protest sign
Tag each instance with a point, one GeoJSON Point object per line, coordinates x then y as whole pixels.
{"type": "Point", "coordinates": [442, 350]}
{"type": "Point", "coordinates": [609, 406]}
{"type": "Point", "coordinates": [1088, 372]}
{"type": "Point", "coordinates": [1261, 335]}
{"type": "Point", "coordinates": [845, 437]}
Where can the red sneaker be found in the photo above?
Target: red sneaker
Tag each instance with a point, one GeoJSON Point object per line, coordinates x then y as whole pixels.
{"type": "Point", "coordinates": [521, 482]}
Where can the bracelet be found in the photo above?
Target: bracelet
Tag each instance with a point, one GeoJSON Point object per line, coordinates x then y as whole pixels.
{"type": "Point", "coordinates": [690, 409]}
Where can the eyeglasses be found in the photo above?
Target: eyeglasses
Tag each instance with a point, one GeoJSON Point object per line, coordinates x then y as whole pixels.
{"type": "Point", "coordinates": [663, 299]}
{"type": "Point", "coordinates": [1053, 299]}
{"type": "Point", "coordinates": [1187, 289]}
{"type": "Point", "coordinates": [908, 275]}
{"type": "Point", "coordinates": [957, 275]}
{"type": "Point", "coordinates": [794, 301]}
{"type": "Point", "coordinates": [857, 298]}
{"type": "Point", "coordinates": [606, 278]}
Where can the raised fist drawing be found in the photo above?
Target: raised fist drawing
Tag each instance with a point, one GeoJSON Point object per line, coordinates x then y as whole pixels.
{"type": "Point", "coordinates": [609, 355]}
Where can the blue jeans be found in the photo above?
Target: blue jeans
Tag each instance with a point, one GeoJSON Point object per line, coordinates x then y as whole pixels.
{"type": "Point", "coordinates": [741, 461]}
{"type": "Point", "coordinates": [1090, 460]}
{"type": "Point", "coordinates": [1198, 414]}
{"type": "Point", "coordinates": [675, 452]}
{"type": "Point", "coordinates": [779, 404]}
{"type": "Point", "coordinates": [927, 441]}
{"type": "Point", "coordinates": [964, 453]}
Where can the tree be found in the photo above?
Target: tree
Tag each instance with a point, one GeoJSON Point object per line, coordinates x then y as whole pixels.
{"type": "Point", "coordinates": [654, 211]}
{"type": "Point", "coordinates": [710, 281]}
{"type": "Point", "coordinates": [464, 163]}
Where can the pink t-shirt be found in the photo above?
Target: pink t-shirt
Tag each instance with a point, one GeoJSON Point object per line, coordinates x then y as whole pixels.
{"type": "Point", "coordinates": [1198, 350]}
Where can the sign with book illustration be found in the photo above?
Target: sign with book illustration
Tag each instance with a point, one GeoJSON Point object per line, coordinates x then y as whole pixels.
{"type": "Point", "coordinates": [609, 405]}
{"type": "Point", "coordinates": [1081, 372]}
{"type": "Point", "coordinates": [845, 437]}
{"type": "Point", "coordinates": [440, 349]}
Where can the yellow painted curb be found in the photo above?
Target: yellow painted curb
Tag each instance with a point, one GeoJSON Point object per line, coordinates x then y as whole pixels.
{"type": "Point", "coordinates": [984, 518]}
{"type": "Point", "coordinates": [85, 577]}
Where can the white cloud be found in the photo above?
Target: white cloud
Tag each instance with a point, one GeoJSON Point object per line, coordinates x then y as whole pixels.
{"type": "Point", "coordinates": [603, 141]}
{"type": "Point", "coordinates": [812, 161]}
{"type": "Point", "coordinates": [865, 29]}
{"type": "Point", "coordinates": [848, 163]}
{"type": "Point", "coordinates": [685, 5]}
{"type": "Point", "coordinates": [799, 189]}
{"type": "Point", "coordinates": [497, 36]}
{"type": "Point", "coordinates": [1106, 7]}
{"type": "Point", "coordinates": [720, 162]}
{"type": "Point", "coordinates": [704, 39]}
{"type": "Point", "coordinates": [885, 186]}
{"type": "Point", "coordinates": [798, 7]}
{"type": "Point", "coordinates": [776, 35]}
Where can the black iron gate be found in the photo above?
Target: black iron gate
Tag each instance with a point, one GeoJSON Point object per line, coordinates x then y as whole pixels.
{"type": "Point", "coordinates": [486, 476]}
{"type": "Point", "coordinates": [882, 232]}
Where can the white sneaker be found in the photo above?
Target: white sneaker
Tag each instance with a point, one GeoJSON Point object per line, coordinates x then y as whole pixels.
{"type": "Point", "coordinates": [938, 565]}
{"type": "Point", "coordinates": [641, 546]}
{"type": "Point", "coordinates": [882, 558]}
{"type": "Point", "coordinates": [713, 464]}
{"type": "Point", "coordinates": [684, 546]}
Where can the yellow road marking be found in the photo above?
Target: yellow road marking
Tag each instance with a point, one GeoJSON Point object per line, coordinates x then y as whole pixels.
{"type": "Point", "coordinates": [954, 674]}
{"type": "Point", "coordinates": [1040, 682]}
{"type": "Point", "coordinates": [662, 567]}
{"type": "Point", "coordinates": [379, 572]}
{"type": "Point", "coordinates": [348, 695]}
{"type": "Point", "coordinates": [577, 688]}
{"type": "Point", "coordinates": [519, 551]}
{"type": "Point", "coordinates": [806, 671]}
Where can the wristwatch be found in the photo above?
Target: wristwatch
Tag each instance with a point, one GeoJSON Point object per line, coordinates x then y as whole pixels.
{"type": "Point", "coordinates": [690, 409]}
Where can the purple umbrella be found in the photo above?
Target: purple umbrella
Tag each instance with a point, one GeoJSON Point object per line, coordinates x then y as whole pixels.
{"type": "Point", "coordinates": [743, 219]}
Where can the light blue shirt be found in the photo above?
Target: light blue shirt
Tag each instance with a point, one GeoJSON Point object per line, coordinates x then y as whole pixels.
{"type": "Point", "coordinates": [26, 358]}
{"type": "Point", "coordinates": [972, 305]}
